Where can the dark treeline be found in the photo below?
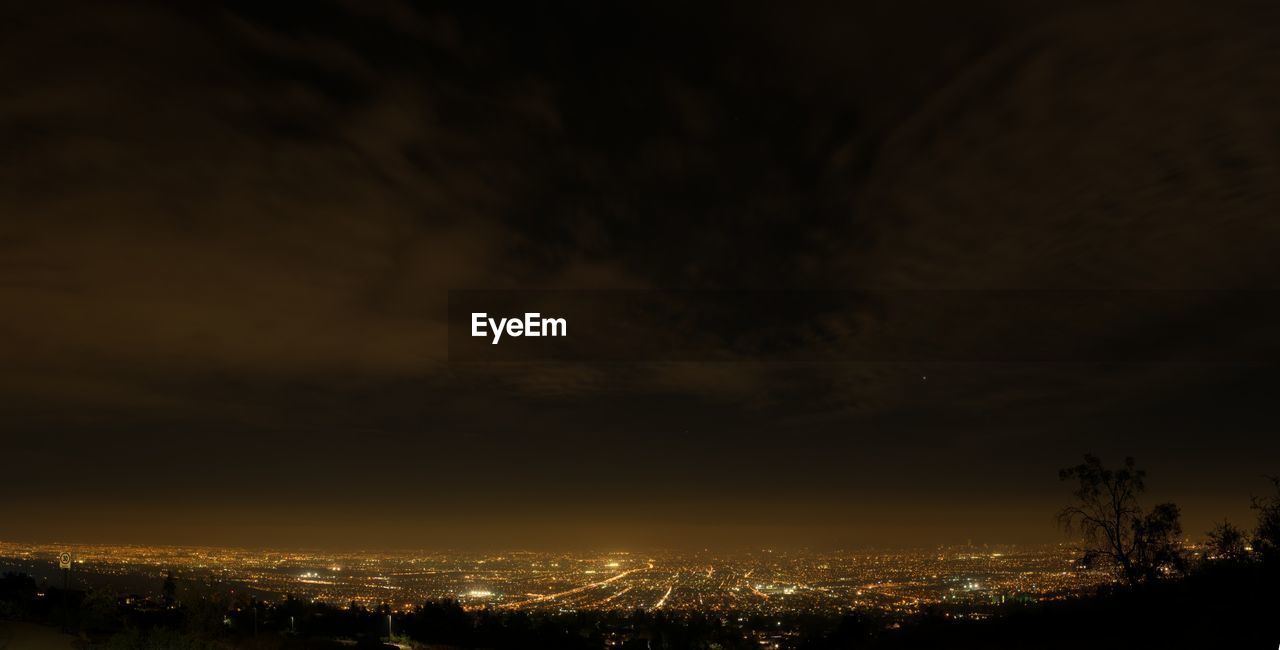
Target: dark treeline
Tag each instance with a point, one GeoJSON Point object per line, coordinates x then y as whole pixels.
{"type": "Point", "coordinates": [1218, 605]}
{"type": "Point", "coordinates": [1225, 593]}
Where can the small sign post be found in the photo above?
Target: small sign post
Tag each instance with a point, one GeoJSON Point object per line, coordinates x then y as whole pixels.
{"type": "Point", "coordinates": [64, 562]}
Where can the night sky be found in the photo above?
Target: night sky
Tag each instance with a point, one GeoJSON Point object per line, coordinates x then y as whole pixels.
{"type": "Point", "coordinates": [227, 238]}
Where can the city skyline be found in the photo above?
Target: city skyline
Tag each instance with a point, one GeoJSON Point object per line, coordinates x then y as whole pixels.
{"type": "Point", "coordinates": [763, 581]}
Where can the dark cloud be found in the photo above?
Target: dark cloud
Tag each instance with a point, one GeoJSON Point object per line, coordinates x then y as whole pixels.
{"type": "Point", "coordinates": [227, 234]}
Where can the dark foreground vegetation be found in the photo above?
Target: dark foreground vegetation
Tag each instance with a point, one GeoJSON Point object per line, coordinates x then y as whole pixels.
{"type": "Point", "coordinates": [1212, 607]}
{"type": "Point", "coordinates": [1223, 593]}
{"type": "Point", "coordinates": [1224, 606]}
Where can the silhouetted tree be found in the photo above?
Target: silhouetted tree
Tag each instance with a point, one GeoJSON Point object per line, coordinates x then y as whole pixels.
{"type": "Point", "coordinates": [1158, 547]}
{"type": "Point", "coordinates": [1266, 536]}
{"type": "Point", "coordinates": [1114, 525]}
{"type": "Point", "coordinates": [205, 615]}
{"type": "Point", "coordinates": [1226, 542]}
{"type": "Point", "coordinates": [17, 593]}
{"type": "Point", "coordinates": [169, 589]}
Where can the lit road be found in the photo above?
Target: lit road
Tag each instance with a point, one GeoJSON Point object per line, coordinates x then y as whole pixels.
{"type": "Point", "coordinates": [576, 590]}
{"type": "Point", "coordinates": [662, 601]}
